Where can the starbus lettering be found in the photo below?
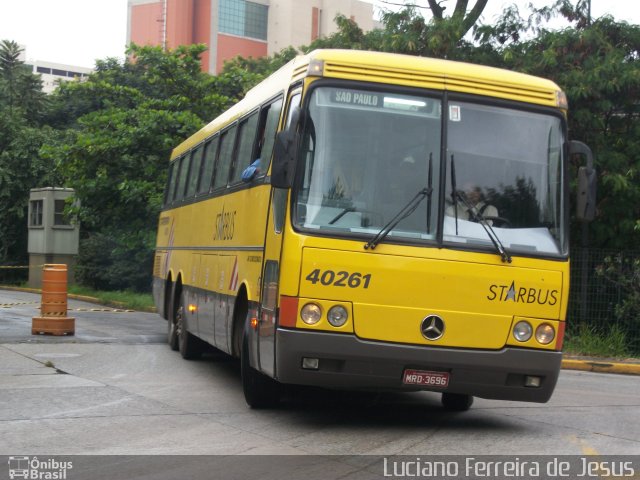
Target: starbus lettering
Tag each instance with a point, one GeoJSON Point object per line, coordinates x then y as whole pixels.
{"type": "Point", "coordinates": [519, 294]}
{"type": "Point", "coordinates": [225, 225]}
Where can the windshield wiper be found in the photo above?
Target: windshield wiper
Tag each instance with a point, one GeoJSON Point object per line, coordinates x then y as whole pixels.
{"type": "Point", "coordinates": [478, 217]}
{"type": "Point", "coordinates": [341, 214]}
{"type": "Point", "coordinates": [407, 210]}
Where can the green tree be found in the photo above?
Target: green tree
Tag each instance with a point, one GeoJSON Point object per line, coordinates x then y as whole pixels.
{"type": "Point", "coordinates": [623, 272]}
{"type": "Point", "coordinates": [10, 66]}
{"type": "Point", "coordinates": [121, 125]}
{"type": "Point", "coordinates": [255, 68]}
{"type": "Point", "coordinates": [597, 64]}
{"type": "Point", "coordinates": [442, 36]}
{"type": "Point", "coordinates": [22, 106]}
{"type": "Point", "coordinates": [21, 90]}
{"type": "Point", "coordinates": [408, 31]}
{"type": "Point", "coordinates": [21, 169]}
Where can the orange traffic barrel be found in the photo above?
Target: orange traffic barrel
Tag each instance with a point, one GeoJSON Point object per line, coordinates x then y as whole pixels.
{"type": "Point", "coordinates": [54, 289]}
{"type": "Point", "coordinates": [53, 309]}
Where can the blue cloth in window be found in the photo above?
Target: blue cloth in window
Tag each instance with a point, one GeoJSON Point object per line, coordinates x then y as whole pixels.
{"type": "Point", "coordinates": [251, 171]}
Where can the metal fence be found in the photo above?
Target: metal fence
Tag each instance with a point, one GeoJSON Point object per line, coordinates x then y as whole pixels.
{"type": "Point", "coordinates": [13, 275]}
{"type": "Point", "coordinates": [603, 283]}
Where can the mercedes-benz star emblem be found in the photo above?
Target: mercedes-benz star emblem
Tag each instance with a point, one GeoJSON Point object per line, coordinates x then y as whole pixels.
{"type": "Point", "coordinates": [432, 327]}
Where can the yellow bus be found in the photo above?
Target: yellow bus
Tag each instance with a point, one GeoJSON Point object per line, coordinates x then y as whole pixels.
{"type": "Point", "coordinates": [365, 220]}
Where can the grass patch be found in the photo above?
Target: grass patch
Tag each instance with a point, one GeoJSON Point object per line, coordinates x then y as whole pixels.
{"type": "Point", "coordinates": [117, 299]}
{"type": "Point", "coordinates": [589, 340]}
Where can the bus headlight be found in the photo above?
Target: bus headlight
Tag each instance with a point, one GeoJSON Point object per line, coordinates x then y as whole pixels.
{"type": "Point", "coordinates": [311, 313]}
{"type": "Point", "coordinates": [337, 315]}
{"type": "Point", "coordinates": [522, 331]}
{"type": "Point", "coordinates": [545, 334]}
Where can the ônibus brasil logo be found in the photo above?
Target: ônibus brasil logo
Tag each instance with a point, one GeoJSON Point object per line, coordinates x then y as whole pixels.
{"type": "Point", "coordinates": [35, 469]}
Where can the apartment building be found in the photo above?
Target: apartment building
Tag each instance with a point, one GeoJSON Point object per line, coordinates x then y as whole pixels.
{"type": "Point", "coordinates": [239, 27]}
{"type": "Point", "coordinates": [53, 73]}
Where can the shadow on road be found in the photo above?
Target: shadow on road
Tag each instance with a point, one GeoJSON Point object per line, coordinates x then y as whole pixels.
{"type": "Point", "coordinates": [315, 406]}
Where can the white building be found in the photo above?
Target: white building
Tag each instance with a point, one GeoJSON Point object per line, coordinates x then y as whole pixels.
{"type": "Point", "coordinates": [54, 73]}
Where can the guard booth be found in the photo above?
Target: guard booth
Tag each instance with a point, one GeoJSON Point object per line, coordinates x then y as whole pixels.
{"type": "Point", "coordinates": [53, 237]}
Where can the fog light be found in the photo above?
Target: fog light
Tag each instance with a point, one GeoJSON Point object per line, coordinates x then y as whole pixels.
{"type": "Point", "coordinates": [311, 313]}
{"type": "Point", "coordinates": [522, 331]}
{"type": "Point", "coordinates": [310, 363]}
{"type": "Point", "coordinates": [337, 315]}
{"type": "Point", "coordinates": [534, 382]}
{"type": "Point", "coordinates": [545, 334]}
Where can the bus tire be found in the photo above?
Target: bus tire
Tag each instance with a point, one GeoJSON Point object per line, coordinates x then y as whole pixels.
{"type": "Point", "coordinates": [172, 335]}
{"type": "Point", "coordinates": [189, 346]}
{"type": "Point", "coordinates": [259, 390]}
{"type": "Point", "coordinates": [172, 331]}
{"type": "Point", "coordinates": [457, 402]}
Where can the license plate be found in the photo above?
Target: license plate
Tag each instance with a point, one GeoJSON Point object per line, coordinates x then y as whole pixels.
{"type": "Point", "coordinates": [425, 378]}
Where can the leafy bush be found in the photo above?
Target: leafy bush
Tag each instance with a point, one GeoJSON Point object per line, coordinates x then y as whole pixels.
{"type": "Point", "coordinates": [590, 340]}
{"type": "Point", "coordinates": [116, 261]}
{"type": "Point", "coordinates": [624, 272]}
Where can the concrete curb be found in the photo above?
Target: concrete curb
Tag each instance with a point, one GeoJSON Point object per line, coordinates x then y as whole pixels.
{"type": "Point", "coordinates": [601, 366]}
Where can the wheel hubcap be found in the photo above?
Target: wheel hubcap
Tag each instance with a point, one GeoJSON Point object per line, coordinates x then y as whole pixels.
{"type": "Point", "coordinates": [179, 322]}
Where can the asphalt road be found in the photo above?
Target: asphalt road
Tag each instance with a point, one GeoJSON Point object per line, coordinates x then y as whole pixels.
{"type": "Point", "coordinates": [94, 323]}
{"type": "Point", "coordinates": [115, 388]}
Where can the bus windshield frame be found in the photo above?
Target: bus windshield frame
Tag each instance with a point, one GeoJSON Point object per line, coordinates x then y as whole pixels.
{"type": "Point", "coordinates": [487, 167]}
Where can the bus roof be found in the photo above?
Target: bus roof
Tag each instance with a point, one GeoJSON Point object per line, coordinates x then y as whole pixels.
{"type": "Point", "coordinates": [390, 68]}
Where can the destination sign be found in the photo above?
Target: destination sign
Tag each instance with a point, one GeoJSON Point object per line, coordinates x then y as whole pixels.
{"type": "Point", "coordinates": [355, 97]}
{"type": "Point", "coordinates": [362, 99]}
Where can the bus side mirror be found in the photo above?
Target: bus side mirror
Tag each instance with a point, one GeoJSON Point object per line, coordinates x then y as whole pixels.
{"type": "Point", "coordinates": [586, 194]}
{"type": "Point", "coordinates": [284, 154]}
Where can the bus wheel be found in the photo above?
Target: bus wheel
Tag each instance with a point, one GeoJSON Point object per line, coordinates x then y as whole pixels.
{"type": "Point", "coordinates": [259, 390]}
{"type": "Point", "coordinates": [188, 345]}
{"type": "Point", "coordinates": [457, 402]}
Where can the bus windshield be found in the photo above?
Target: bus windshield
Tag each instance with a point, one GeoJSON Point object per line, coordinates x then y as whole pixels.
{"type": "Point", "coordinates": [366, 154]}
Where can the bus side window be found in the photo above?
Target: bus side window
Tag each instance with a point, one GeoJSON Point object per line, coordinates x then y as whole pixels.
{"type": "Point", "coordinates": [194, 174]}
{"type": "Point", "coordinates": [174, 180]}
{"type": "Point", "coordinates": [294, 101]}
{"type": "Point", "coordinates": [268, 124]}
{"type": "Point", "coordinates": [184, 176]}
{"type": "Point", "coordinates": [180, 177]}
{"type": "Point", "coordinates": [246, 136]}
{"type": "Point", "coordinates": [168, 191]}
{"type": "Point", "coordinates": [279, 194]}
{"type": "Point", "coordinates": [208, 162]}
{"type": "Point", "coordinates": [227, 139]}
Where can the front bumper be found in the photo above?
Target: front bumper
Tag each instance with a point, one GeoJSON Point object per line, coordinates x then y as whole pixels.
{"type": "Point", "coordinates": [348, 362]}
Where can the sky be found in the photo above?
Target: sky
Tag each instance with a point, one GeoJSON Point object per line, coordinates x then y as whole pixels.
{"type": "Point", "coordinates": [77, 32]}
